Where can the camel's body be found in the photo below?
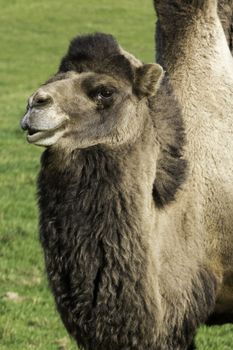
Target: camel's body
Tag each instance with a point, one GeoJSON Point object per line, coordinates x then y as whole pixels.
{"type": "Point", "coordinates": [200, 67]}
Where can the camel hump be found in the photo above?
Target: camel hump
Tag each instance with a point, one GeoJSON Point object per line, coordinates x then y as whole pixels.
{"type": "Point", "coordinates": [225, 11]}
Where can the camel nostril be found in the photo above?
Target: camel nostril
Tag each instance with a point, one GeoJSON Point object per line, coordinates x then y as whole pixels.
{"type": "Point", "coordinates": [41, 100]}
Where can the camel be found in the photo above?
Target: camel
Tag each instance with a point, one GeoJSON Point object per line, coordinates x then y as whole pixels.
{"type": "Point", "coordinates": [125, 249]}
{"type": "Point", "coordinates": [200, 68]}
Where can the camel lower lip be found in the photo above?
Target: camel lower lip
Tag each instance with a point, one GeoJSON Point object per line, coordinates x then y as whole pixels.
{"type": "Point", "coordinates": [42, 134]}
{"type": "Point", "coordinates": [38, 135]}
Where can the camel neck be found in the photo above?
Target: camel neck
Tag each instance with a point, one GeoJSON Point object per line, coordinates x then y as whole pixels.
{"type": "Point", "coordinates": [96, 219]}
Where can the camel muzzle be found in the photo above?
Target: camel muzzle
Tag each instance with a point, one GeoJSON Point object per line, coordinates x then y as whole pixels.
{"type": "Point", "coordinates": [43, 120]}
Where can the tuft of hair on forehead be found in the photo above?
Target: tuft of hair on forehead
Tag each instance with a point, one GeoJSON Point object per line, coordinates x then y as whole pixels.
{"type": "Point", "coordinates": [97, 52]}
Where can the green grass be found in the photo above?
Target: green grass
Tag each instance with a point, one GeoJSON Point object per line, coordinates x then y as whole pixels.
{"type": "Point", "coordinates": [34, 36]}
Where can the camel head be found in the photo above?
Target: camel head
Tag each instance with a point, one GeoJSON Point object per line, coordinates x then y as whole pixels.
{"type": "Point", "coordinates": [97, 97]}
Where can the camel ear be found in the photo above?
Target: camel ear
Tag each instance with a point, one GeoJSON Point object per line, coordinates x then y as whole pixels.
{"type": "Point", "coordinates": [148, 78]}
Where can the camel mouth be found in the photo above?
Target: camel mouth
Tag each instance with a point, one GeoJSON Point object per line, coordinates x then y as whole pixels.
{"type": "Point", "coordinates": [32, 131]}
{"type": "Point", "coordinates": [33, 136]}
{"type": "Point", "coordinates": [45, 137]}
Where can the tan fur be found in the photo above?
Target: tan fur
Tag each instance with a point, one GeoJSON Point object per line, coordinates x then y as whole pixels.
{"type": "Point", "coordinates": [200, 67]}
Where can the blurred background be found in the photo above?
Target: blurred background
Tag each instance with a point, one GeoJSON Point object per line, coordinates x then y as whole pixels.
{"type": "Point", "coordinates": [34, 35]}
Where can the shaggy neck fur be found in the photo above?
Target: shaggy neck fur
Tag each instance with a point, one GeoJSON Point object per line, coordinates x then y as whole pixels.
{"type": "Point", "coordinates": [97, 258]}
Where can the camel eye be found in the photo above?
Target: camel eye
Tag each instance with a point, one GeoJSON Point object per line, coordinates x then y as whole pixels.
{"type": "Point", "coordinates": [104, 93]}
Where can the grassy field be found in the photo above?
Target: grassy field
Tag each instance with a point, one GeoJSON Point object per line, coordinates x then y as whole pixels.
{"type": "Point", "coordinates": [34, 36]}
